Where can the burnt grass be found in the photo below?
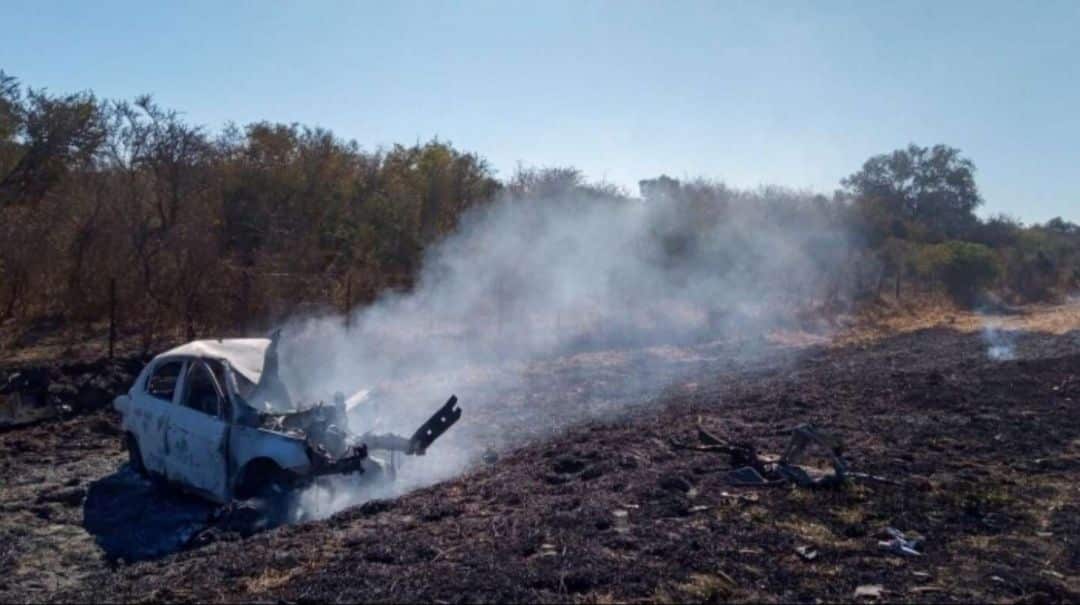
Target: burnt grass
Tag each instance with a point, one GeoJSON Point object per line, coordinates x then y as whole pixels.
{"type": "Point", "coordinates": [982, 458]}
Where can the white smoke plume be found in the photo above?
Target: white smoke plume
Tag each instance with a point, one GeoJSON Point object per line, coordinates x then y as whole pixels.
{"type": "Point", "coordinates": [533, 295]}
{"type": "Point", "coordinates": [1000, 344]}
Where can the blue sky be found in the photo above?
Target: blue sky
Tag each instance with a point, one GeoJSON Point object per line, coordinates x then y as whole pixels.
{"type": "Point", "coordinates": [792, 93]}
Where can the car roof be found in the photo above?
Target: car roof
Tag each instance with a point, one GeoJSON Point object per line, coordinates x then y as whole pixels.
{"type": "Point", "coordinates": [245, 355]}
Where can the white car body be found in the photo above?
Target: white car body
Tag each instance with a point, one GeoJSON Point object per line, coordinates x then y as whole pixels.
{"type": "Point", "coordinates": [189, 446]}
{"type": "Point", "coordinates": [210, 413]}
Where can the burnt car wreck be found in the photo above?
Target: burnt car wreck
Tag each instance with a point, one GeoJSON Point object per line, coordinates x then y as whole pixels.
{"type": "Point", "coordinates": [213, 417]}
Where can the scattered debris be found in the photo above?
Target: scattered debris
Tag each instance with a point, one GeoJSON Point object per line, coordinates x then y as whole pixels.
{"type": "Point", "coordinates": [808, 553]}
{"type": "Point", "coordinates": [801, 437]}
{"type": "Point", "coordinates": [29, 395]}
{"type": "Point", "coordinates": [749, 476]}
{"type": "Point", "coordinates": [900, 544]}
{"type": "Point", "coordinates": [728, 580]}
{"type": "Point", "coordinates": [705, 437]}
{"type": "Point", "coordinates": [869, 590]}
{"type": "Point", "coordinates": [737, 496]}
{"type": "Point", "coordinates": [751, 471]}
{"type": "Point", "coordinates": [622, 521]}
{"type": "Point", "coordinates": [509, 512]}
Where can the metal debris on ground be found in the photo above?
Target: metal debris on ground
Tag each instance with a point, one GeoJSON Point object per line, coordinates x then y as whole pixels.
{"type": "Point", "coordinates": [901, 544]}
{"type": "Point", "coordinates": [869, 590]}
{"type": "Point", "coordinates": [622, 521]}
{"type": "Point", "coordinates": [808, 553]}
{"type": "Point", "coordinates": [802, 437]}
{"type": "Point", "coordinates": [750, 470]}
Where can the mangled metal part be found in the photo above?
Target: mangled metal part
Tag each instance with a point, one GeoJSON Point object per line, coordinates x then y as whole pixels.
{"type": "Point", "coordinates": [424, 436]}
{"type": "Point", "coordinates": [439, 422]}
{"type": "Point", "coordinates": [270, 390]}
{"type": "Point", "coordinates": [751, 471]}
{"type": "Point", "coordinates": [901, 544]}
{"type": "Point", "coordinates": [323, 425]}
{"type": "Point", "coordinates": [801, 437]}
{"type": "Point", "coordinates": [323, 463]}
{"type": "Point", "coordinates": [759, 473]}
{"type": "Point", "coordinates": [749, 476]}
{"type": "Point", "coordinates": [326, 426]}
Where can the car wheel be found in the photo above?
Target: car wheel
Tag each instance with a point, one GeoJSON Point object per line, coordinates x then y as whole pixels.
{"type": "Point", "coordinates": [265, 495]}
{"type": "Point", "coordinates": [262, 479]}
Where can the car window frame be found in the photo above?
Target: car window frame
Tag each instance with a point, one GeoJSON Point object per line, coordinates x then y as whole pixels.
{"type": "Point", "coordinates": [181, 376]}
{"type": "Point", "coordinates": [223, 395]}
{"type": "Point", "coordinates": [225, 383]}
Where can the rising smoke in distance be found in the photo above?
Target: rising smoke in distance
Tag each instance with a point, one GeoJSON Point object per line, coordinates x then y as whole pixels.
{"type": "Point", "coordinates": [1000, 343]}
{"type": "Point", "coordinates": [532, 277]}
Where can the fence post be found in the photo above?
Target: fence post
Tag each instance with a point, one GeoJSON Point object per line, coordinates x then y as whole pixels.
{"type": "Point", "coordinates": [348, 300]}
{"type": "Point", "coordinates": [112, 317]}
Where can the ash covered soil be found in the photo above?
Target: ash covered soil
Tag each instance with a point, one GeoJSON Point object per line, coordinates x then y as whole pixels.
{"type": "Point", "coordinates": [982, 459]}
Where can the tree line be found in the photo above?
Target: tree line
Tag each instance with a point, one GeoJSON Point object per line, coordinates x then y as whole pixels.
{"type": "Point", "coordinates": [200, 230]}
{"type": "Point", "coordinates": [108, 202]}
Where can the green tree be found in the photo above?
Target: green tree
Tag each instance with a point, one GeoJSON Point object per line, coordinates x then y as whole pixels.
{"type": "Point", "coordinates": [965, 268]}
{"type": "Point", "coordinates": [43, 137]}
{"type": "Point", "coordinates": [934, 187]}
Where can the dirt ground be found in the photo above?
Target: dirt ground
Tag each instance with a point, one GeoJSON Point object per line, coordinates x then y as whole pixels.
{"type": "Point", "coordinates": [980, 457]}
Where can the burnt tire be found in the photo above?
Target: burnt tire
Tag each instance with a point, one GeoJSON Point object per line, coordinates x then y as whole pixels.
{"type": "Point", "coordinates": [262, 479]}
{"type": "Point", "coordinates": [135, 459]}
{"type": "Point", "coordinates": [264, 499]}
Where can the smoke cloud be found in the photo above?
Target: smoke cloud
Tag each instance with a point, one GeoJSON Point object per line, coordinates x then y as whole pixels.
{"type": "Point", "coordinates": [1000, 343]}
{"type": "Point", "coordinates": [542, 310]}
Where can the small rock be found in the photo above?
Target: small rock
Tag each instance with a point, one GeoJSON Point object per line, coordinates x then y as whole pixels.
{"type": "Point", "coordinates": [622, 521]}
{"type": "Point", "coordinates": [568, 465]}
{"type": "Point", "coordinates": [808, 553]}
{"type": "Point", "coordinates": [869, 590]}
{"type": "Point", "coordinates": [675, 483]}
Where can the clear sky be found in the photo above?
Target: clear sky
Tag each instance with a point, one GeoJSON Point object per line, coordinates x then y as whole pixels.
{"type": "Point", "coordinates": [792, 93]}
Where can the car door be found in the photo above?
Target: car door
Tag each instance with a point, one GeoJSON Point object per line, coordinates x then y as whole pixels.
{"type": "Point", "coordinates": [197, 433]}
{"type": "Point", "coordinates": [154, 402]}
